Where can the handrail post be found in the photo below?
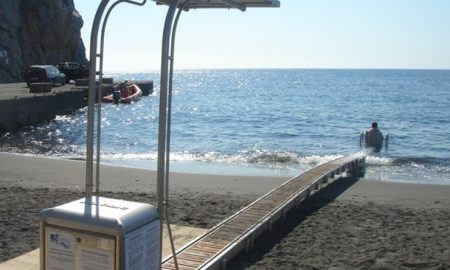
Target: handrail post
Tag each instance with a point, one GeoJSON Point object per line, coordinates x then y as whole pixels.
{"type": "Point", "coordinates": [162, 133]}
{"type": "Point", "coordinates": [100, 79]}
{"type": "Point", "coordinates": [169, 123]}
{"type": "Point", "coordinates": [91, 92]}
{"type": "Point", "coordinates": [91, 97]}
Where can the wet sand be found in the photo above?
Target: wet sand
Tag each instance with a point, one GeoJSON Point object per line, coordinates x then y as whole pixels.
{"type": "Point", "coordinates": [349, 225]}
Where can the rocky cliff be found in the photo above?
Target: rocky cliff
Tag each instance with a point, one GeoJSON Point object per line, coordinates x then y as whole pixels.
{"type": "Point", "coordinates": [38, 32]}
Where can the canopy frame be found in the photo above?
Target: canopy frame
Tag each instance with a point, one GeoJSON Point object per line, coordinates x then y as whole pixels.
{"type": "Point", "coordinates": [166, 81]}
{"type": "Point", "coordinates": [93, 55]}
{"type": "Point", "coordinates": [237, 4]}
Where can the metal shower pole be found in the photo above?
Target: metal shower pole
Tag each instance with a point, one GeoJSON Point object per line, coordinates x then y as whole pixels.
{"type": "Point", "coordinates": [100, 78]}
{"type": "Point", "coordinates": [165, 107]}
{"type": "Point", "coordinates": [168, 134]}
{"type": "Point", "coordinates": [91, 91]}
{"type": "Point", "coordinates": [91, 97]}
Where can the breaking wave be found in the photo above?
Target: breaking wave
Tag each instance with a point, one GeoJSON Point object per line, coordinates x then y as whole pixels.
{"type": "Point", "coordinates": [259, 158]}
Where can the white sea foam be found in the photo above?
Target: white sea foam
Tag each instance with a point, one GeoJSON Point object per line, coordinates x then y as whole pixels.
{"type": "Point", "coordinates": [317, 160]}
{"type": "Point", "coordinates": [275, 159]}
{"type": "Point", "coordinates": [379, 161]}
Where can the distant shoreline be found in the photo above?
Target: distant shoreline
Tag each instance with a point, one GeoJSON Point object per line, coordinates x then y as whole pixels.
{"type": "Point", "coordinates": [227, 170]}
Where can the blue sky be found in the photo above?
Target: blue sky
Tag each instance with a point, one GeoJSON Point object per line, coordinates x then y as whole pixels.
{"type": "Point", "coordinates": [299, 34]}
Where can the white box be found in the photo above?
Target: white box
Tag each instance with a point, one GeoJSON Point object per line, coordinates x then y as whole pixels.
{"type": "Point", "coordinates": [97, 233]}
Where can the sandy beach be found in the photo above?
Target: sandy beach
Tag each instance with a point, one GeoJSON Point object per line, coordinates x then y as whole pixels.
{"type": "Point", "coordinates": [352, 224]}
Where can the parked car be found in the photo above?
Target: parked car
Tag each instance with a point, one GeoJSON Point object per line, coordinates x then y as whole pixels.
{"type": "Point", "coordinates": [73, 70]}
{"type": "Point", "coordinates": [44, 73]}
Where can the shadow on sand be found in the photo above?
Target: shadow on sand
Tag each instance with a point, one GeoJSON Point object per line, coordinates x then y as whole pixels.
{"type": "Point", "coordinates": [266, 241]}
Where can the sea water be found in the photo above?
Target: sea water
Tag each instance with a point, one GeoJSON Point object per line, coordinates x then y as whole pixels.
{"type": "Point", "coordinates": [277, 122]}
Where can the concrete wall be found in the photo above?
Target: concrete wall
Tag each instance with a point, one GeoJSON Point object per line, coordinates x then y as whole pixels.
{"type": "Point", "coordinates": [19, 108]}
{"type": "Point", "coordinates": [28, 110]}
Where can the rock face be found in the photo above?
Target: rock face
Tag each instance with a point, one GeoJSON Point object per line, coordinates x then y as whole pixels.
{"type": "Point", "coordinates": [38, 32]}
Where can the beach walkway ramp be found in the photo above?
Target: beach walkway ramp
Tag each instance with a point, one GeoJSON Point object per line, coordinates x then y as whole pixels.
{"type": "Point", "coordinates": [237, 233]}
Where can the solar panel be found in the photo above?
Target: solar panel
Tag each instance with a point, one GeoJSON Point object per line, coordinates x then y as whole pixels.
{"type": "Point", "coordinates": [239, 4]}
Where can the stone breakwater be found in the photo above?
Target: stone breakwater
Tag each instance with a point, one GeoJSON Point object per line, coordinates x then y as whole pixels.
{"type": "Point", "coordinates": [19, 108]}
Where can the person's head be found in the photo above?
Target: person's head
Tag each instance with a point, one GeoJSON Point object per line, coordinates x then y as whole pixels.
{"type": "Point", "coordinates": [374, 125]}
{"type": "Point", "coordinates": [121, 85]}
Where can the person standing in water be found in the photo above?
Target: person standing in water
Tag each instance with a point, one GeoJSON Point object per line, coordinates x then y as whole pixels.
{"type": "Point", "coordinates": [373, 137]}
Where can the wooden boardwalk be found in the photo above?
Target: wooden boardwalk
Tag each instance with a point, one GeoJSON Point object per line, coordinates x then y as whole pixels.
{"type": "Point", "coordinates": [238, 232]}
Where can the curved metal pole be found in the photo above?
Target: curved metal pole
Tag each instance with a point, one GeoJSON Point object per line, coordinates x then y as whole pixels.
{"type": "Point", "coordinates": [163, 112]}
{"type": "Point", "coordinates": [99, 92]}
{"type": "Point", "coordinates": [169, 122]}
{"type": "Point", "coordinates": [169, 102]}
{"type": "Point", "coordinates": [91, 96]}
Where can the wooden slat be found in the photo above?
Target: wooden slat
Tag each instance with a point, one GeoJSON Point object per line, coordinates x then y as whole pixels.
{"type": "Point", "coordinates": [171, 265]}
{"type": "Point", "coordinates": [234, 229]}
{"type": "Point", "coordinates": [200, 253]}
{"type": "Point", "coordinates": [198, 246]}
{"type": "Point", "coordinates": [215, 240]}
{"type": "Point", "coordinates": [192, 257]}
{"type": "Point", "coordinates": [201, 245]}
{"type": "Point", "coordinates": [224, 236]}
{"type": "Point", "coordinates": [189, 263]}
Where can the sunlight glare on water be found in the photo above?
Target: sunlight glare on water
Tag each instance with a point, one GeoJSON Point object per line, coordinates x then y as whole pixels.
{"type": "Point", "coordinates": [277, 121]}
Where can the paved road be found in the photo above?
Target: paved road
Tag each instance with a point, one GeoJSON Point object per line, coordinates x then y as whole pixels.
{"type": "Point", "coordinates": [17, 90]}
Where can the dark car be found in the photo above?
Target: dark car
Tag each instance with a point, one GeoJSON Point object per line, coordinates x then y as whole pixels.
{"type": "Point", "coordinates": [44, 73]}
{"type": "Point", "coordinates": [73, 70]}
